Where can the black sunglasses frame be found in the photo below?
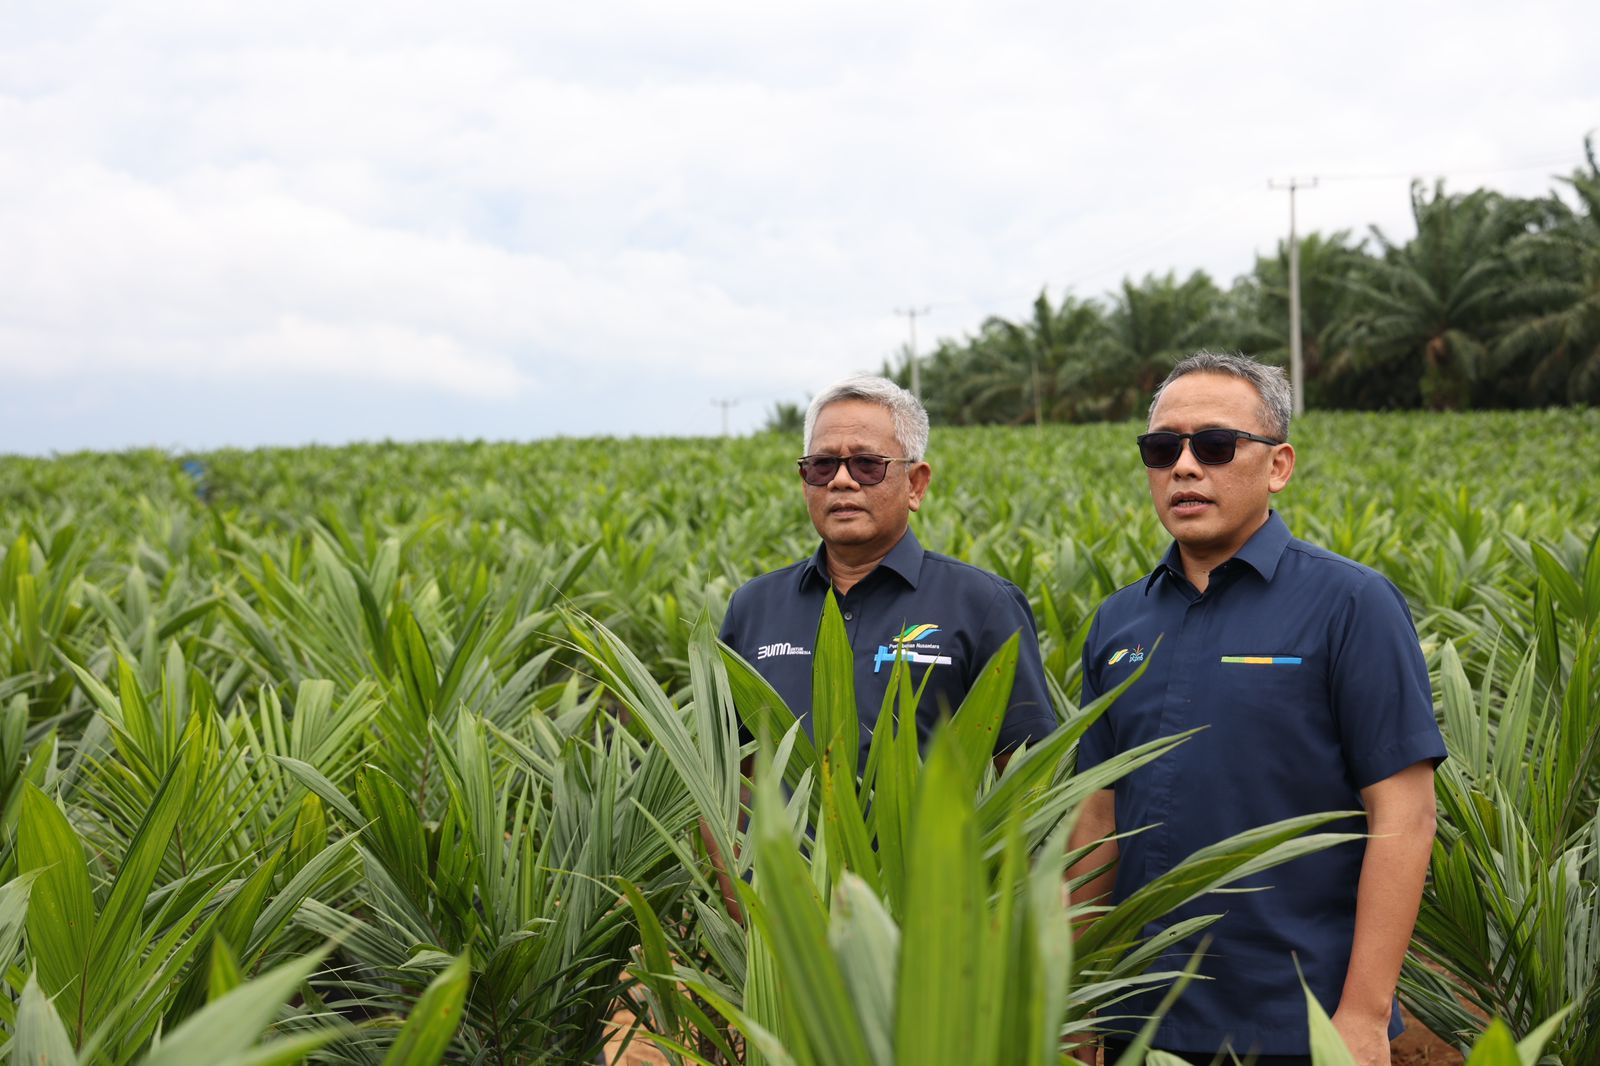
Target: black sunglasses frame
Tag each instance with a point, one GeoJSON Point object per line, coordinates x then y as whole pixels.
{"type": "Point", "coordinates": [831, 463]}
{"type": "Point", "coordinates": [1202, 442]}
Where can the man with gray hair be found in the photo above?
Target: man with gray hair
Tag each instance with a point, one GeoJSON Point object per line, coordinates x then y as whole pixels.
{"type": "Point", "coordinates": [1303, 673]}
{"type": "Point", "coordinates": [864, 472]}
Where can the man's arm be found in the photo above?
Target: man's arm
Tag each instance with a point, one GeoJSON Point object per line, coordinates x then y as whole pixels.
{"type": "Point", "coordinates": [1029, 715]}
{"type": "Point", "coordinates": [1096, 821]}
{"type": "Point", "coordinates": [747, 766]}
{"type": "Point", "coordinates": [719, 864]}
{"type": "Point", "coordinates": [1400, 819]}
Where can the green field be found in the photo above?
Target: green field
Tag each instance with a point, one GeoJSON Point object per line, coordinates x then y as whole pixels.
{"type": "Point", "coordinates": [289, 746]}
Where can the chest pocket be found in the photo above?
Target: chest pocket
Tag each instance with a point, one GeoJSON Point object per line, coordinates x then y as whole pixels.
{"type": "Point", "coordinates": [1275, 696]}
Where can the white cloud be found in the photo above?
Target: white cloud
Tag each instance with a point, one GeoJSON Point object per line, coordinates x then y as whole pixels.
{"type": "Point", "coordinates": [477, 199]}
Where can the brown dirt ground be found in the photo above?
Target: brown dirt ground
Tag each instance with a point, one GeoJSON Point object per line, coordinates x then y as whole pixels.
{"type": "Point", "coordinates": [640, 1051]}
{"type": "Point", "coordinates": [1419, 1047]}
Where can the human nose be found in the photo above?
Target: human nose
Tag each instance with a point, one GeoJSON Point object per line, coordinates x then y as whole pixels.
{"type": "Point", "coordinates": [1187, 465]}
{"type": "Point", "coordinates": [843, 480]}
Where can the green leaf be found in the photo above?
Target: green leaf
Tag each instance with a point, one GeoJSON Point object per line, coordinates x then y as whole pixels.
{"type": "Point", "coordinates": [1327, 1046]}
{"type": "Point", "coordinates": [786, 909]}
{"type": "Point", "coordinates": [13, 915]}
{"type": "Point", "coordinates": [657, 954]}
{"type": "Point", "coordinates": [977, 721]}
{"type": "Point", "coordinates": [290, 1051]}
{"type": "Point", "coordinates": [310, 834]}
{"type": "Point", "coordinates": [833, 686]}
{"type": "Point", "coordinates": [61, 911]}
{"type": "Point", "coordinates": [943, 924]}
{"type": "Point", "coordinates": [426, 1036]}
{"type": "Point", "coordinates": [223, 975]}
{"type": "Point", "coordinates": [394, 832]}
{"type": "Point", "coordinates": [1495, 1047]}
{"type": "Point", "coordinates": [1531, 1047]}
{"type": "Point", "coordinates": [867, 943]}
{"type": "Point", "coordinates": [120, 926]}
{"type": "Point", "coordinates": [230, 1025]}
{"type": "Point", "coordinates": [41, 1039]}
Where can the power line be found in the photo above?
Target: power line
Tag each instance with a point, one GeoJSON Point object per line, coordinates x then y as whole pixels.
{"type": "Point", "coordinates": [1460, 172]}
{"type": "Point", "coordinates": [1168, 236]}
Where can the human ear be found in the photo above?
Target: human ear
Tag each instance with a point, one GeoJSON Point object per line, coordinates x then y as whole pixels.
{"type": "Point", "coordinates": [919, 476]}
{"type": "Point", "coordinates": [1282, 467]}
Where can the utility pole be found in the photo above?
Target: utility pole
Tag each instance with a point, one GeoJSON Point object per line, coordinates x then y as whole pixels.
{"type": "Point", "coordinates": [724, 404]}
{"type": "Point", "coordinates": [1296, 369]}
{"type": "Point", "coordinates": [911, 314]}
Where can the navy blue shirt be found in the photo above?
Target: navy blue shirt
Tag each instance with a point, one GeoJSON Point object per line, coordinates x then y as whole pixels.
{"type": "Point", "coordinates": [949, 616]}
{"type": "Point", "coordinates": [1305, 670]}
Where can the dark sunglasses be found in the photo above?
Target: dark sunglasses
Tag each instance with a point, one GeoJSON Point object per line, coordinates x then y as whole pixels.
{"type": "Point", "coordinates": [819, 470]}
{"type": "Point", "coordinates": [1212, 447]}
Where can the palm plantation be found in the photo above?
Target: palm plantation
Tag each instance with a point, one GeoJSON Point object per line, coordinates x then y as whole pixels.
{"type": "Point", "coordinates": [401, 754]}
{"type": "Point", "coordinates": [1494, 301]}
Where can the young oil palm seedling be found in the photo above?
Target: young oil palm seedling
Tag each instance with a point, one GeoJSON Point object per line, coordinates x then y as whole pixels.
{"type": "Point", "coordinates": [1510, 920]}
{"type": "Point", "coordinates": [111, 961]}
{"type": "Point", "coordinates": [509, 882]}
{"type": "Point", "coordinates": [918, 908]}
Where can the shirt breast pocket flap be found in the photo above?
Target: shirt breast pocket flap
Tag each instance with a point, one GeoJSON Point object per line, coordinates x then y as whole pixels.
{"type": "Point", "coordinates": [1265, 681]}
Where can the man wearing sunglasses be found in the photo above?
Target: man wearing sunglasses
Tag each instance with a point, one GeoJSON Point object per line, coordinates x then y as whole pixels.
{"type": "Point", "coordinates": [863, 475]}
{"type": "Point", "coordinates": [1302, 671]}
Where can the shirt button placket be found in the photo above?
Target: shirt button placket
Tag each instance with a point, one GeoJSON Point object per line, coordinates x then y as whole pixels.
{"type": "Point", "coordinates": [1177, 715]}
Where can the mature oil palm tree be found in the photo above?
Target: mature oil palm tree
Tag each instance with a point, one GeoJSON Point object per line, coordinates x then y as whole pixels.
{"type": "Point", "coordinates": [1328, 265]}
{"type": "Point", "coordinates": [1151, 325]}
{"type": "Point", "coordinates": [1040, 363]}
{"type": "Point", "coordinates": [1554, 345]}
{"type": "Point", "coordinates": [1431, 307]}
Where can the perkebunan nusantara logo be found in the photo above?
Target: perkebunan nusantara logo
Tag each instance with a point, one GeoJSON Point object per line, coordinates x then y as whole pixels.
{"type": "Point", "coordinates": [913, 644]}
{"type": "Point", "coordinates": [1133, 655]}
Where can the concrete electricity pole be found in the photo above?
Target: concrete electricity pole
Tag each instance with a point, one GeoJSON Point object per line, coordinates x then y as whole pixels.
{"type": "Point", "coordinates": [724, 404]}
{"type": "Point", "coordinates": [911, 314]}
{"type": "Point", "coordinates": [1296, 368]}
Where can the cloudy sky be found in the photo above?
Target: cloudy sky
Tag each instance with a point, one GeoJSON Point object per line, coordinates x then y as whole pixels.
{"type": "Point", "coordinates": [251, 223]}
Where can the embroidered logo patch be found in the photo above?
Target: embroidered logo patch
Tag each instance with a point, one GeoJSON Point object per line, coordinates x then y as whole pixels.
{"type": "Point", "coordinates": [912, 634]}
{"type": "Point", "coordinates": [912, 644]}
{"type": "Point", "coordinates": [767, 651]}
{"type": "Point", "coordinates": [1134, 654]}
{"type": "Point", "coordinates": [1263, 660]}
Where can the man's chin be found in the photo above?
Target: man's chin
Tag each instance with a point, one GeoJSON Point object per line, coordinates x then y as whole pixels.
{"type": "Point", "coordinates": [852, 534]}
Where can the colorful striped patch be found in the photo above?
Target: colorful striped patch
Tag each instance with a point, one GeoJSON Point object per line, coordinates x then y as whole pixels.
{"type": "Point", "coordinates": [1263, 660]}
{"type": "Point", "coordinates": [1117, 658]}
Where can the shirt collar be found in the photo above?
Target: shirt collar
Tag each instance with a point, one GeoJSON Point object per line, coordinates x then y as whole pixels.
{"type": "Point", "coordinates": [1261, 552]}
{"type": "Point", "coordinates": [904, 559]}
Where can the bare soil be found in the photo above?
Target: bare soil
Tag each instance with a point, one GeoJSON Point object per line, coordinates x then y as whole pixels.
{"type": "Point", "coordinates": [1419, 1047]}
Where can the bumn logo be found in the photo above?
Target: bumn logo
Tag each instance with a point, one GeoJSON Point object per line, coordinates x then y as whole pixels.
{"type": "Point", "coordinates": [767, 651]}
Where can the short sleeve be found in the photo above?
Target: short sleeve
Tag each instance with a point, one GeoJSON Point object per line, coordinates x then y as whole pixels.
{"type": "Point", "coordinates": [1098, 742]}
{"type": "Point", "coordinates": [1029, 716]}
{"type": "Point", "coordinates": [1379, 686]}
{"type": "Point", "coordinates": [729, 624]}
{"type": "Point", "coordinates": [730, 635]}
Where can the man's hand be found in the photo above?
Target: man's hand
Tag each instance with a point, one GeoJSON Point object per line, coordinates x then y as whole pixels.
{"type": "Point", "coordinates": [1367, 1037]}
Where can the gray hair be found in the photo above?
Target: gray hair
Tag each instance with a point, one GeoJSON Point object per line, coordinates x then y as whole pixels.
{"type": "Point", "coordinates": [1270, 382]}
{"type": "Point", "coordinates": [910, 419]}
